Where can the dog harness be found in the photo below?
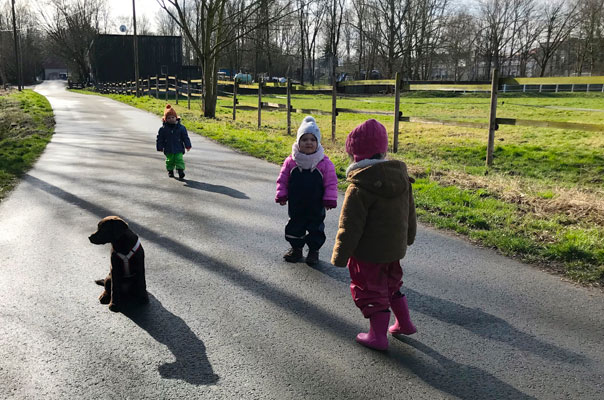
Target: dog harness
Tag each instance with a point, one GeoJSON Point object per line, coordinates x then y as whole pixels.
{"type": "Point", "coordinates": [127, 257]}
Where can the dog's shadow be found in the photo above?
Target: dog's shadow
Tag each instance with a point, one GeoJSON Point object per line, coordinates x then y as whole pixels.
{"type": "Point", "coordinates": [208, 187]}
{"type": "Point", "coordinates": [192, 364]}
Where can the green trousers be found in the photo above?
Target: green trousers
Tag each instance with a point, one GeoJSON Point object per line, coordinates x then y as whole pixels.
{"type": "Point", "coordinates": [174, 160]}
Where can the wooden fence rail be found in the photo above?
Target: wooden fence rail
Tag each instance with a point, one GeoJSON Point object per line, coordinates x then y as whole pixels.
{"type": "Point", "coordinates": [172, 87]}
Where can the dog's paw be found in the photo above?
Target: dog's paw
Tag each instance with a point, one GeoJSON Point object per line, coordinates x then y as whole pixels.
{"type": "Point", "coordinates": [114, 307]}
{"type": "Point", "coordinates": [105, 298]}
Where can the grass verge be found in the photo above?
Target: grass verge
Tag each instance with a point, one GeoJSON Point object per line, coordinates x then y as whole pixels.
{"type": "Point", "coordinates": [542, 202]}
{"type": "Point", "coordinates": [26, 126]}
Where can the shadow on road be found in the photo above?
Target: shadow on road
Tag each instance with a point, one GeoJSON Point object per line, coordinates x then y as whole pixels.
{"type": "Point", "coordinates": [192, 364]}
{"type": "Point", "coordinates": [208, 187]}
{"type": "Point", "coordinates": [446, 379]}
{"type": "Point", "coordinates": [472, 319]}
{"type": "Point", "coordinates": [460, 380]}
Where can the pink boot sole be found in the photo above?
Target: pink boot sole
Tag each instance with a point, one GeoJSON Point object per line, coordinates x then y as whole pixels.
{"type": "Point", "coordinates": [397, 330]}
{"type": "Point", "coordinates": [365, 340]}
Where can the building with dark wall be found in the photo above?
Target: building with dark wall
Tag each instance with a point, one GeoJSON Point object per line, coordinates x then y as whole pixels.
{"type": "Point", "coordinates": [112, 57]}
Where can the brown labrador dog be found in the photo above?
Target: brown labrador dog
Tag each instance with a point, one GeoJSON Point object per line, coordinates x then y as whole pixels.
{"type": "Point", "coordinates": [126, 280]}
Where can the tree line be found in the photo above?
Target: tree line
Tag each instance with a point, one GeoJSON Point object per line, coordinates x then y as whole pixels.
{"type": "Point", "coordinates": [313, 41]}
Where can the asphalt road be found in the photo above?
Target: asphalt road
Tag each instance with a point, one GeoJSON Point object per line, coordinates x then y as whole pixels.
{"type": "Point", "coordinates": [228, 319]}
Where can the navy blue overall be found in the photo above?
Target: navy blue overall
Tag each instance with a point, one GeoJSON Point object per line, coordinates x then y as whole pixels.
{"type": "Point", "coordinates": [305, 209]}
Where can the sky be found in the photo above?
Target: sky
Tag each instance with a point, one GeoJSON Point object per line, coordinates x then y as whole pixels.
{"type": "Point", "coordinates": [122, 8]}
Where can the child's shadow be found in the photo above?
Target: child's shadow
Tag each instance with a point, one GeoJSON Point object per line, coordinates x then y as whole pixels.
{"type": "Point", "coordinates": [474, 320]}
{"type": "Point", "coordinates": [192, 364]}
{"type": "Point", "coordinates": [208, 187]}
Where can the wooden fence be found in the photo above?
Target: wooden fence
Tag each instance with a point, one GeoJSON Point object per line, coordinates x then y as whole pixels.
{"type": "Point", "coordinates": [170, 87]}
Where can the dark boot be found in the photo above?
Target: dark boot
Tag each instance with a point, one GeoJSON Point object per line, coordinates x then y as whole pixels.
{"type": "Point", "coordinates": [181, 174]}
{"type": "Point", "coordinates": [293, 255]}
{"type": "Point", "coordinates": [171, 173]}
{"type": "Point", "coordinates": [312, 258]}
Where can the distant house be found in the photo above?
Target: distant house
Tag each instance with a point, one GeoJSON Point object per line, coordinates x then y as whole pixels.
{"type": "Point", "coordinates": [111, 57]}
{"type": "Point", "coordinates": [53, 68]}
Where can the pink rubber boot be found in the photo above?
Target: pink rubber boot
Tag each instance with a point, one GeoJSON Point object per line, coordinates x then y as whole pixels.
{"type": "Point", "coordinates": [376, 338]}
{"type": "Point", "coordinates": [403, 324]}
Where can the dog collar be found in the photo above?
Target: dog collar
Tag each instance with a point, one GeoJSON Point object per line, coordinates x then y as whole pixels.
{"type": "Point", "coordinates": [127, 257]}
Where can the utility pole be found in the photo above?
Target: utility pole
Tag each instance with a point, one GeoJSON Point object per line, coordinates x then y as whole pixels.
{"type": "Point", "coordinates": [135, 48]}
{"type": "Point", "coordinates": [17, 60]}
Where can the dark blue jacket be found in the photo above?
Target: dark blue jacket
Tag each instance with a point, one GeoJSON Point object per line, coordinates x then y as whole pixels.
{"type": "Point", "coordinates": [172, 138]}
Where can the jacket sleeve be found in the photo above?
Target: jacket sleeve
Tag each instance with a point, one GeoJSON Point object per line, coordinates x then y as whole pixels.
{"type": "Point", "coordinates": [283, 179]}
{"type": "Point", "coordinates": [185, 138]}
{"type": "Point", "coordinates": [330, 180]}
{"type": "Point", "coordinates": [159, 141]}
{"type": "Point", "coordinates": [412, 229]}
{"type": "Point", "coordinates": [352, 223]}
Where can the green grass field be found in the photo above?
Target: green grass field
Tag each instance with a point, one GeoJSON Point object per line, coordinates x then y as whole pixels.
{"type": "Point", "coordinates": [26, 125]}
{"type": "Point", "coordinates": [542, 201]}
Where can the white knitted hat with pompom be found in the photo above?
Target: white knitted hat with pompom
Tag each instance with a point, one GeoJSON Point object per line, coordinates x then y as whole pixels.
{"type": "Point", "coordinates": [309, 125]}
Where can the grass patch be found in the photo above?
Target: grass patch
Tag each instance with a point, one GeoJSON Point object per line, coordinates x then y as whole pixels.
{"type": "Point", "coordinates": [542, 201]}
{"type": "Point", "coordinates": [26, 126]}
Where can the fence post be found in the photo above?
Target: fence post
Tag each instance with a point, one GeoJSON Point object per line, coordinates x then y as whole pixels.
{"type": "Point", "coordinates": [189, 93]}
{"type": "Point", "coordinates": [492, 117]}
{"type": "Point", "coordinates": [588, 88]}
{"type": "Point", "coordinates": [540, 88]}
{"type": "Point", "coordinates": [334, 110]}
{"type": "Point", "coordinates": [176, 87]}
{"type": "Point", "coordinates": [167, 86]}
{"type": "Point", "coordinates": [572, 88]}
{"type": "Point", "coordinates": [523, 88]}
{"type": "Point", "coordinates": [505, 87]}
{"type": "Point", "coordinates": [557, 88]}
{"type": "Point", "coordinates": [259, 102]}
{"type": "Point", "coordinates": [235, 84]}
{"type": "Point", "coordinates": [289, 106]}
{"type": "Point", "coordinates": [157, 86]}
{"type": "Point", "coordinates": [397, 106]}
{"type": "Point", "coordinates": [149, 86]}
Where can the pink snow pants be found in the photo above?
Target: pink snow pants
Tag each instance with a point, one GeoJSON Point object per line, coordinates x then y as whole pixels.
{"type": "Point", "coordinates": [374, 284]}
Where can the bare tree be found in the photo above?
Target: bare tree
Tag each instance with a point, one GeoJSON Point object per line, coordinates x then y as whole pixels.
{"type": "Point", "coordinates": [527, 33]}
{"type": "Point", "coordinates": [213, 32]}
{"type": "Point", "coordinates": [391, 14]}
{"type": "Point", "coordinates": [71, 29]}
{"type": "Point", "coordinates": [498, 16]}
{"type": "Point", "coordinates": [458, 42]}
{"type": "Point", "coordinates": [166, 26]}
{"type": "Point", "coordinates": [333, 27]}
{"type": "Point", "coordinates": [360, 10]}
{"type": "Point", "coordinates": [316, 12]}
{"type": "Point", "coordinates": [559, 20]}
{"type": "Point", "coordinates": [590, 27]}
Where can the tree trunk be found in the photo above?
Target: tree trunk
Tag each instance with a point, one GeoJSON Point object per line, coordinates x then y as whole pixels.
{"type": "Point", "coordinates": [209, 88]}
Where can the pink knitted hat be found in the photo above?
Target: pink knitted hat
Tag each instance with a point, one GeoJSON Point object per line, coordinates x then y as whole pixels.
{"type": "Point", "coordinates": [366, 140]}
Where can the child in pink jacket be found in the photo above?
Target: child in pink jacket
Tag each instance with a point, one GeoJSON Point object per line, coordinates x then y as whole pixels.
{"type": "Point", "coordinates": [308, 182]}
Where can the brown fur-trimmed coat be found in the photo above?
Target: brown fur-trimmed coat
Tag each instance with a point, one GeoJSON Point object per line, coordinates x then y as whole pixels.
{"type": "Point", "coordinates": [378, 219]}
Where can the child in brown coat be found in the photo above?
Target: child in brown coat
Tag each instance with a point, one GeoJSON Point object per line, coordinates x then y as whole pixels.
{"type": "Point", "coordinates": [377, 223]}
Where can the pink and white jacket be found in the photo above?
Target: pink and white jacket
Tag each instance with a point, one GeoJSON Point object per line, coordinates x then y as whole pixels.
{"type": "Point", "coordinates": [317, 160]}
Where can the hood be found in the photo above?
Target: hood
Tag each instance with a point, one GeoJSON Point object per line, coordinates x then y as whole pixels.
{"type": "Point", "coordinates": [385, 178]}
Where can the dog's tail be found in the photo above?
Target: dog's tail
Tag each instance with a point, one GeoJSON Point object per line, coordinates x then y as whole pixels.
{"type": "Point", "coordinates": [100, 282]}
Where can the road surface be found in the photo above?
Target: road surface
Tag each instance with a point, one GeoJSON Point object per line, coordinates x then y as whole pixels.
{"type": "Point", "coordinates": [228, 319]}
